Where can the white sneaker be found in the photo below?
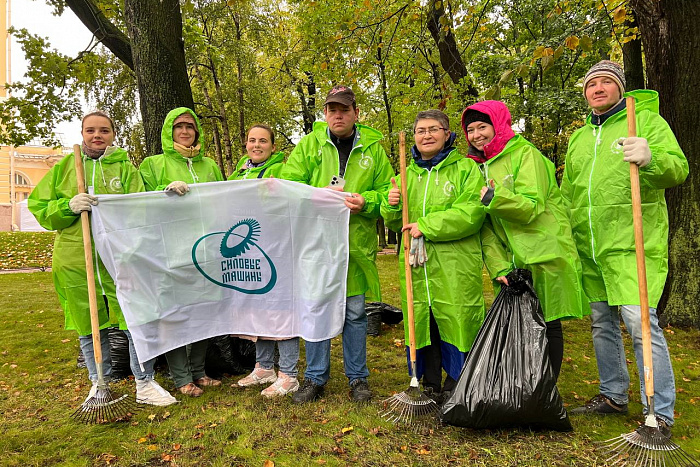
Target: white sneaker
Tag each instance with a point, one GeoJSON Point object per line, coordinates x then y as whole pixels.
{"type": "Point", "coordinates": [285, 384]}
{"type": "Point", "coordinates": [149, 392]}
{"type": "Point", "coordinates": [259, 375]}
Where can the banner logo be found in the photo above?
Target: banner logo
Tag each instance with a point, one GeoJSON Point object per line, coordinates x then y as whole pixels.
{"type": "Point", "coordinates": [234, 260]}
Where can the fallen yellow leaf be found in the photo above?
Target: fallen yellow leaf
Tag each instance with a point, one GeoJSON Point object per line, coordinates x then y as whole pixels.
{"type": "Point", "coordinates": [152, 447]}
{"type": "Point", "coordinates": [347, 429]}
{"type": "Point", "coordinates": [142, 440]}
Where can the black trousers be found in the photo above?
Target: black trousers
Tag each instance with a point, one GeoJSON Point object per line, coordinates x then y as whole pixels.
{"type": "Point", "coordinates": [555, 337]}
{"type": "Point", "coordinates": [432, 375]}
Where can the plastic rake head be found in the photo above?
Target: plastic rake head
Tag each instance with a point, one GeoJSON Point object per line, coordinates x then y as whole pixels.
{"type": "Point", "coordinates": [411, 407]}
{"type": "Point", "coordinates": [105, 406]}
{"type": "Point", "coordinates": [646, 446]}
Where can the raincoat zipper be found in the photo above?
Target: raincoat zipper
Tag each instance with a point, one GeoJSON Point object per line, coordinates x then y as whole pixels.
{"type": "Point", "coordinates": [597, 135]}
{"type": "Point", "coordinates": [94, 248]}
{"type": "Point", "coordinates": [425, 268]}
{"type": "Point", "coordinates": [195, 179]}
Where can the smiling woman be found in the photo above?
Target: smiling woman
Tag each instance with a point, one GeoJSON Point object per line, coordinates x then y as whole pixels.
{"type": "Point", "coordinates": [261, 161]}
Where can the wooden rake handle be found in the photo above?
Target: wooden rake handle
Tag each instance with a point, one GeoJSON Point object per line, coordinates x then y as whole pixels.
{"type": "Point", "coordinates": [639, 250]}
{"type": "Point", "coordinates": [87, 246]}
{"type": "Point", "coordinates": [406, 239]}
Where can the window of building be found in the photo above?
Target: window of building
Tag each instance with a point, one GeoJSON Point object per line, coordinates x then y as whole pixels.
{"type": "Point", "coordinates": [21, 179]}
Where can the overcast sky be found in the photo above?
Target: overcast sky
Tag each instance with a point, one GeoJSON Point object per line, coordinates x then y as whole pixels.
{"type": "Point", "coordinates": [65, 33]}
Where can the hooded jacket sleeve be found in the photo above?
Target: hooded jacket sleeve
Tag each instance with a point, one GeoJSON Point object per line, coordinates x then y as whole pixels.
{"type": "Point", "coordinates": [464, 217]}
{"type": "Point", "coordinates": [296, 168]}
{"type": "Point", "coordinates": [380, 187]}
{"type": "Point", "coordinates": [393, 216]}
{"type": "Point", "coordinates": [132, 179]}
{"type": "Point", "coordinates": [51, 209]}
{"type": "Point", "coordinates": [150, 179]}
{"type": "Point", "coordinates": [495, 255]}
{"type": "Point", "coordinates": [218, 176]}
{"type": "Point", "coordinates": [668, 166]}
{"type": "Point", "coordinates": [525, 201]}
{"type": "Point", "coordinates": [566, 188]}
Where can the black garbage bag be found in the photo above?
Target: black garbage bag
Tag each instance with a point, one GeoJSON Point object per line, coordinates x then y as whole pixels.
{"type": "Point", "coordinates": [390, 314]}
{"type": "Point", "coordinates": [507, 379]}
{"type": "Point", "coordinates": [229, 355]}
{"type": "Point", "coordinates": [378, 313]}
{"type": "Point", "coordinates": [119, 354]}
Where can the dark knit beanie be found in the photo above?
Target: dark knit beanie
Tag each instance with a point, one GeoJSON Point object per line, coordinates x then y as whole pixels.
{"type": "Point", "coordinates": [606, 68]}
{"type": "Point", "coordinates": [471, 116]}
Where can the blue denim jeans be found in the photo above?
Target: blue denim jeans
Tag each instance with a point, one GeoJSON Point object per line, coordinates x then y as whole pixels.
{"type": "Point", "coordinates": [89, 353]}
{"type": "Point", "coordinates": [289, 355]}
{"type": "Point", "coordinates": [143, 371]}
{"type": "Point", "coordinates": [318, 354]}
{"type": "Point", "coordinates": [612, 365]}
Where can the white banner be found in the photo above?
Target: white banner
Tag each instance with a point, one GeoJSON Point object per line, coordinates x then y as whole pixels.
{"type": "Point", "coordinates": [262, 257]}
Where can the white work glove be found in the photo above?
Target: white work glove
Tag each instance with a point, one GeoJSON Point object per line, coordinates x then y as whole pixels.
{"type": "Point", "coordinates": [178, 187]}
{"type": "Point", "coordinates": [82, 202]}
{"type": "Point", "coordinates": [636, 150]}
{"type": "Point", "coordinates": [417, 256]}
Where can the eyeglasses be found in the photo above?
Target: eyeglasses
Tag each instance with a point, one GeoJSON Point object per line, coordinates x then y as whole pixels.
{"type": "Point", "coordinates": [433, 130]}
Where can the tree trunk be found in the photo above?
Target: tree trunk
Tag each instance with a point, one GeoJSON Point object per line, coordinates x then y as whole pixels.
{"type": "Point", "coordinates": [223, 118]}
{"type": "Point", "coordinates": [239, 80]}
{"type": "Point", "coordinates": [450, 58]}
{"type": "Point", "coordinates": [632, 57]}
{"type": "Point", "coordinates": [308, 104]}
{"type": "Point", "coordinates": [214, 126]}
{"type": "Point", "coordinates": [672, 52]}
{"type": "Point", "coordinates": [387, 103]}
{"type": "Point", "coordinates": [381, 231]}
{"type": "Point", "coordinates": [155, 29]}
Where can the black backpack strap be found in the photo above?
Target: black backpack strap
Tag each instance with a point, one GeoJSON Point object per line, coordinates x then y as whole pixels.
{"type": "Point", "coordinates": [262, 172]}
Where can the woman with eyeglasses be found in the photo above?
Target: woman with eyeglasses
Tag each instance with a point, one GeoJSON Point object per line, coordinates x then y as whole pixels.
{"type": "Point", "coordinates": [445, 218]}
{"type": "Point", "coordinates": [526, 225]}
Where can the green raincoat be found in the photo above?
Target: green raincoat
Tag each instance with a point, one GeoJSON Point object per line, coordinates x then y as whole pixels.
{"type": "Point", "coordinates": [529, 228]}
{"type": "Point", "coordinates": [445, 203]}
{"type": "Point", "coordinates": [314, 161]}
{"type": "Point", "coordinates": [160, 170]}
{"type": "Point", "coordinates": [272, 168]}
{"type": "Point", "coordinates": [110, 174]}
{"type": "Point", "coordinates": [596, 185]}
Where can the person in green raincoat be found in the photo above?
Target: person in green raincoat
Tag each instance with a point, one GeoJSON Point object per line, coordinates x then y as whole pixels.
{"type": "Point", "coordinates": [527, 224]}
{"type": "Point", "coordinates": [596, 186]}
{"type": "Point", "coordinates": [56, 204]}
{"type": "Point", "coordinates": [261, 160]}
{"type": "Point", "coordinates": [445, 218]}
{"type": "Point", "coordinates": [183, 162]}
{"type": "Point", "coordinates": [345, 155]}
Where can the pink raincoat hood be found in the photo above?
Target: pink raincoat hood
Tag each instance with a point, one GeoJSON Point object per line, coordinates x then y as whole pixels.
{"type": "Point", "coordinates": [501, 119]}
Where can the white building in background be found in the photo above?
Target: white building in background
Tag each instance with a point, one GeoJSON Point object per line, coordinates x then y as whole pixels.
{"type": "Point", "coordinates": [21, 167]}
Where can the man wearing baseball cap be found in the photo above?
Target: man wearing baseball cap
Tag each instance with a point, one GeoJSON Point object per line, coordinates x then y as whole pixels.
{"type": "Point", "coordinates": [596, 185]}
{"type": "Point", "coordinates": [345, 155]}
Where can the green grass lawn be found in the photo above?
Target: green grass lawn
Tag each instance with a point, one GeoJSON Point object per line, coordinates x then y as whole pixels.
{"type": "Point", "coordinates": [40, 386]}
